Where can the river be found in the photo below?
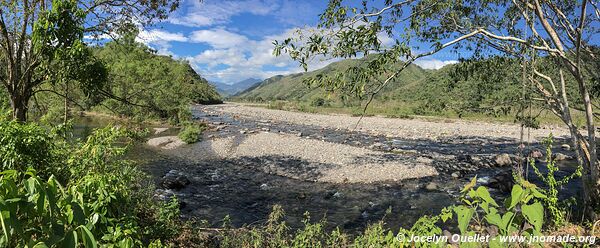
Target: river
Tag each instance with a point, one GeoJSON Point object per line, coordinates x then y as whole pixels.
{"type": "Point", "coordinates": [245, 187]}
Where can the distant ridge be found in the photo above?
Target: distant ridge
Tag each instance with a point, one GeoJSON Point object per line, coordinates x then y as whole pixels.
{"type": "Point", "coordinates": [232, 89]}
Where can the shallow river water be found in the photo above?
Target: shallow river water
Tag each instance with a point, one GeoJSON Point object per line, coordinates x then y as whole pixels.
{"type": "Point", "coordinates": [236, 188]}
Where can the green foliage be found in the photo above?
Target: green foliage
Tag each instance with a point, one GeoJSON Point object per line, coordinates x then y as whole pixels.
{"type": "Point", "coordinates": [98, 200]}
{"type": "Point", "coordinates": [557, 209]}
{"type": "Point", "coordinates": [319, 102]}
{"type": "Point", "coordinates": [23, 145]}
{"type": "Point", "coordinates": [150, 86]}
{"type": "Point", "coordinates": [191, 132]}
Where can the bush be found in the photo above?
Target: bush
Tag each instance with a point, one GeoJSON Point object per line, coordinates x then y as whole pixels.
{"type": "Point", "coordinates": [99, 199]}
{"type": "Point", "coordinates": [191, 132]}
{"type": "Point", "coordinates": [319, 102]}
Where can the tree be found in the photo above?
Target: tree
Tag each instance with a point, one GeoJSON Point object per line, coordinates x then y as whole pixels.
{"type": "Point", "coordinates": [561, 32]}
{"type": "Point", "coordinates": [36, 33]}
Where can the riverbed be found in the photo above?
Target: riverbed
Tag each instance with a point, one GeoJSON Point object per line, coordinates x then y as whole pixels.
{"type": "Point", "coordinates": [392, 169]}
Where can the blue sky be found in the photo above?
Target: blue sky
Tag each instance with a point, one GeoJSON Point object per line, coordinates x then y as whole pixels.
{"type": "Point", "coordinates": [229, 41]}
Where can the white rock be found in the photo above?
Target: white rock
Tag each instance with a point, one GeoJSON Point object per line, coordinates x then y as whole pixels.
{"type": "Point", "coordinates": [158, 130]}
{"type": "Point", "coordinates": [166, 142]}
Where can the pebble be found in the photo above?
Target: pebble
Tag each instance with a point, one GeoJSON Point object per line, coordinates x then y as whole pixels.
{"type": "Point", "coordinates": [566, 147]}
{"type": "Point", "coordinates": [337, 194]}
{"type": "Point", "coordinates": [264, 186]}
{"type": "Point", "coordinates": [560, 157]}
{"type": "Point", "coordinates": [431, 186]}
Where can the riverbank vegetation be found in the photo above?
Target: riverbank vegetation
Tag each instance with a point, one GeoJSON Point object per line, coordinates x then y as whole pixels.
{"type": "Point", "coordinates": [60, 192]}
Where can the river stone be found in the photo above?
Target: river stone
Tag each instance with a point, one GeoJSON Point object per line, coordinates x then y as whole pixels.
{"type": "Point", "coordinates": [431, 186]}
{"type": "Point", "coordinates": [264, 186]}
{"type": "Point", "coordinates": [502, 181]}
{"type": "Point", "coordinates": [560, 157]}
{"type": "Point", "coordinates": [166, 142]}
{"type": "Point", "coordinates": [455, 175]}
{"type": "Point", "coordinates": [503, 160]}
{"type": "Point", "coordinates": [566, 147]}
{"type": "Point", "coordinates": [174, 180]}
{"type": "Point", "coordinates": [537, 154]}
{"type": "Point", "coordinates": [158, 130]}
{"type": "Point", "coordinates": [465, 158]}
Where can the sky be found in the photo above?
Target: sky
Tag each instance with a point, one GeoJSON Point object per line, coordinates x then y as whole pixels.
{"type": "Point", "coordinates": [228, 41]}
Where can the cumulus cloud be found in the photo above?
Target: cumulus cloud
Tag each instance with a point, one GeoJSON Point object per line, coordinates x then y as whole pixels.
{"type": "Point", "coordinates": [240, 57]}
{"type": "Point", "coordinates": [218, 38]}
{"type": "Point", "coordinates": [157, 35]}
{"type": "Point", "coordinates": [215, 12]}
{"type": "Point", "coordinates": [434, 63]}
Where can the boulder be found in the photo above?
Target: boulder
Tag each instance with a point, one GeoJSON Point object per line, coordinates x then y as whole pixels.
{"type": "Point", "coordinates": [166, 142]}
{"type": "Point", "coordinates": [503, 160]}
{"type": "Point", "coordinates": [174, 180]}
{"type": "Point", "coordinates": [560, 157]}
{"type": "Point", "coordinates": [502, 181]}
{"type": "Point", "coordinates": [158, 130]}
{"type": "Point", "coordinates": [537, 154]}
{"type": "Point", "coordinates": [431, 186]}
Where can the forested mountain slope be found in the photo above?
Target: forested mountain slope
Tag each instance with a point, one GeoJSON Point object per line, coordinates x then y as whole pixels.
{"type": "Point", "coordinates": [292, 88]}
{"type": "Point", "coordinates": [490, 86]}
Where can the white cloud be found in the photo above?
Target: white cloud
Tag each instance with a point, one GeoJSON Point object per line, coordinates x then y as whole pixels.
{"type": "Point", "coordinates": [156, 35]}
{"type": "Point", "coordinates": [218, 38]}
{"type": "Point", "coordinates": [434, 63]}
{"type": "Point", "coordinates": [215, 12]}
{"type": "Point", "coordinates": [244, 58]}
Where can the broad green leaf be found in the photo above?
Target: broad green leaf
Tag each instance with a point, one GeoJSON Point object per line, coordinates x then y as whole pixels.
{"type": "Point", "coordinates": [126, 243]}
{"type": "Point", "coordinates": [71, 240]}
{"type": "Point", "coordinates": [88, 239]}
{"type": "Point", "coordinates": [494, 218]}
{"type": "Point", "coordinates": [534, 213]}
{"type": "Point", "coordinates": [464, 215]}
{"type": "Point", "coordinates": [506, 222]}
{"type": "Point", "coordinates": [484, 194]}
{"type": "Point", "coordinates": [3, 222]}
{"type": "Point", "coordinates": [40, 245]}
{"type": "Point", "coordinates": [515, 196]}
{"type": "Point", "coordinates": [495, 243]}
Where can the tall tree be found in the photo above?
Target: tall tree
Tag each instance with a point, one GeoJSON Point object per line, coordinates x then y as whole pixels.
{"type": "Point", "coordinates": [36, 33]}
{"type": "Point", "coordinates": [562, 32]}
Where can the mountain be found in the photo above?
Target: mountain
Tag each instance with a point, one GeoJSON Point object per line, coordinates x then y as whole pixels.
{"type": "Point", "coordinates": [292, 88]}
{"type": "Point", "coordinates": [232, 89]}
{"type": "Point", "coordinates": [489, 86]}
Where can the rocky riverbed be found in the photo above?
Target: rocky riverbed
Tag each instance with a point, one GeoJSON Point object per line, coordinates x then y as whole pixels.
{"type": "Point", "coordinates": [252, 158]}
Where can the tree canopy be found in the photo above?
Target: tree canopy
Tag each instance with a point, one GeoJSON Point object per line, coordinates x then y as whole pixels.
{"type": "Point", "coordinates": [41, 41]}
{"type": "Point", "coordinates": [560, 32]}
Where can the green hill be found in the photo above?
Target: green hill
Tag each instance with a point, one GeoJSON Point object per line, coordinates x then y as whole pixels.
{"type": "Point", "coordinates": [491, 87]}
{"type": "Point", "coordinates": [145, 84]}
{"type": "Point", "coordinates": [292, 88]}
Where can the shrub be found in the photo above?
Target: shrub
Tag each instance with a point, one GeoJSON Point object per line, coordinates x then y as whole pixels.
{"type": "Point", "coordinates": [319, 102]}
{"type": "Point", "coordinates": [191, 132]}
{"type": "Point", "coordinates": [99, 201]}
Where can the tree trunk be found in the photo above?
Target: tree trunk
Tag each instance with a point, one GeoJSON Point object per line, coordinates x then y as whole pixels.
{"type": "Point", "coordinates": [66, 103]}
{"type": "Point", "coordinates": [19, 107]}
